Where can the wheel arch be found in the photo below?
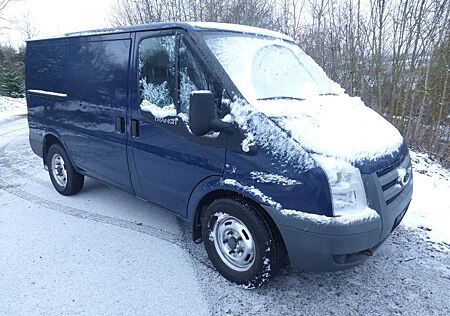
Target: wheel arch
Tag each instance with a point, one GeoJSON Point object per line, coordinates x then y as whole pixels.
{"type": "Point", "coordinates": [51, 139]}
{"type": "Point", "coordinates": [218, 190]}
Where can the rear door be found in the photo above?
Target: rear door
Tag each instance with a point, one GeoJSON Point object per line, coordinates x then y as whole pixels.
{"type": "Point", "coordinates": [168, 160]}
{"type": "Point", "coordinates": [96, 111]}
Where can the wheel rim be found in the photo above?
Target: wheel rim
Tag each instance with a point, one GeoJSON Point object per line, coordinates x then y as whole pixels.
{"type": "Point", "coordinates": [59, 170]}
{"type": "Point", "coordinates": [234, 243]}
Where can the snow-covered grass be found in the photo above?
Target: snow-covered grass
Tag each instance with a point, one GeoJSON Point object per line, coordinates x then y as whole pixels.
{"type": "Point", "coordinates": [10, 107]}
{"type": "Point", "coordinates": [429, 212]}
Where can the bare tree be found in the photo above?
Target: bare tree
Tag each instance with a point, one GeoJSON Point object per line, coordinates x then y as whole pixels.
{"type": "Point", "coordinates": [289, 17]}
{"type": "Point", "coordinates": [26, 27]}
{"type": "Point", "coordinates": [6, 23]}
{"type": "Point", "coordinates": [250, 12]}
{"type": "Point", "coordinates": [3, 4]}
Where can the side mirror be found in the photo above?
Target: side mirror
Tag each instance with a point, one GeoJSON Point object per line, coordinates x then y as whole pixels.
{"type": "Point", "coordinates": [202, 113]}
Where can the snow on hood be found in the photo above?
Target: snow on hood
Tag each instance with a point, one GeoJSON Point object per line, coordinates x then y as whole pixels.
{"type": "Point", "coordinates": [338, 126]}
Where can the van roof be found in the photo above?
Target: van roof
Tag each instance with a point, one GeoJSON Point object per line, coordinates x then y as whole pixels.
{"type": "Point", "coordinates": [194, 26]}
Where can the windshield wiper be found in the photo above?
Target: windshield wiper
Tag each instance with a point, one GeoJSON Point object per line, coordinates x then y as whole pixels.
{"type": "Point", "coordinates": [280, 98]}
{"type": "Point", "coordinates": [330, 93]}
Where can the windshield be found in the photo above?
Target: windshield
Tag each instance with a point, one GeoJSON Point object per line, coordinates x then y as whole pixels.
{"type": "Point", "coordinates": [267, 69]}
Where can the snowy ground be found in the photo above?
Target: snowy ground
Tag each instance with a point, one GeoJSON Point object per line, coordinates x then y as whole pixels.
{"type": "Point", "coordinates": [12, 107]}
{"type": "Point", "coordinates": [430, 208]}
{"type": "Point", "coordinates": [106, 252]}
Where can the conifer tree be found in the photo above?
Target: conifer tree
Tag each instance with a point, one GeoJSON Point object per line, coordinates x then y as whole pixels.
{"type": "Point", "coordinates": [11, 83]}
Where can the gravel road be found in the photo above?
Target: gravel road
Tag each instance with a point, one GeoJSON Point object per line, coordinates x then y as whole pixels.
{"type": "Point", "coordinates": [106, 252]}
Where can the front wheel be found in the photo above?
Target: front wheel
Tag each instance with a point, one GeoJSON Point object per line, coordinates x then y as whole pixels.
{"type": "Point", "coordinates": [63, 175]}
{"type": "Point", "coordinates": [240, 242]}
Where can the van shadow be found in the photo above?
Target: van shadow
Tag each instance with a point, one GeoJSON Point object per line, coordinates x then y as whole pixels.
{"type": "Point", "coordinates": [103, 199]}
{"type": "Point", "coordinates": [93, 186]}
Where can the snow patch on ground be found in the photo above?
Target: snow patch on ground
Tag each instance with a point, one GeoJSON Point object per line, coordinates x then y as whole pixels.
{"type": "Point", "coordinates": [12, 106]}
{"type": "Point", "coordinates": [350, 217]}
{"type": "Point", "coordinates": [429, 212]}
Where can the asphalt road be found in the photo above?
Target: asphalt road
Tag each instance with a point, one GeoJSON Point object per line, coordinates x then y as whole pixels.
{"type": "Point", "coordinates": [106, 252]}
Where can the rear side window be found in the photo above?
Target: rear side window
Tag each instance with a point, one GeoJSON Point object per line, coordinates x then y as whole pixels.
{"type": "Point", "coordinates": [157, 71]}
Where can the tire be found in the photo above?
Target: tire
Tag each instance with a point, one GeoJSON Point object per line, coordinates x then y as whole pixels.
{"type": "Point", "coordinates": [62, 173]}
{"type": "Point", "coordinates": [239, 242]}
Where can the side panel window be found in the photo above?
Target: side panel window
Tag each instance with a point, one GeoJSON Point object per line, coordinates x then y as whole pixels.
{"type": "Point", "coordinates": [157, 74]}
{"type": "Point", "coordinates": [191, 77]}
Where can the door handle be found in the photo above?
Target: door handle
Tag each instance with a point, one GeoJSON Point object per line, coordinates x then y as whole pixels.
{"type": "Point", "coordinates": [135, 128]}
{"type": "Point", "coordinates": [120, 125]}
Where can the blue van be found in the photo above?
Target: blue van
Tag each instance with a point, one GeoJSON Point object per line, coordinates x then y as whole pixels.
{"type": "Point", "coordinates": [232, 128]}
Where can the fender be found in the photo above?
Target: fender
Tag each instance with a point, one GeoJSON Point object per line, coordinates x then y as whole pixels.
{"type": "Point", "coordinates": [216, 183]}
{"type": "Point", "coordinates": [216, 186]}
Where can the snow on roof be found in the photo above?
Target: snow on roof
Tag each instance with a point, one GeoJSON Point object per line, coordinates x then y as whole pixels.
{"type": "Point", "coordinates": [239, 28]}
{"type": "Point", "coordinates": [167, 25]}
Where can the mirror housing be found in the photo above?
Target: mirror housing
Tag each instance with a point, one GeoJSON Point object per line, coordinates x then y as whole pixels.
{"type": "Point", "coordinates": [202, 114]}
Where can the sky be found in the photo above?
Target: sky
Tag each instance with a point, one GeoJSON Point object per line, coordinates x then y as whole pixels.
{"type": "Point", "coordinates": [53, 17]}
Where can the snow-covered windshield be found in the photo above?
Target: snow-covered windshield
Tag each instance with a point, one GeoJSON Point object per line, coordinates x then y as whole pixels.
{"type": "Point", "coordinates": [266, 68]}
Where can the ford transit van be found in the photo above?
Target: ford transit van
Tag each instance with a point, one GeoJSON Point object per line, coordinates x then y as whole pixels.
{"type": "Point", "coordinates": [232, 128]}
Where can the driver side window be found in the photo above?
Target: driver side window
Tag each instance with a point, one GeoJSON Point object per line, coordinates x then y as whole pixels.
{"type": "Point", "coordinates": [191, 78]}
{"type": "Point", "coordinates": [159, 80]}
{"type": "Point", "coordinates": [157, 74]}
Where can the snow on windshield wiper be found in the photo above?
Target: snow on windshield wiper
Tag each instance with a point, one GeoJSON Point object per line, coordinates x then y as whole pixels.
{"type": "Point", "coordinates": [280, 98]}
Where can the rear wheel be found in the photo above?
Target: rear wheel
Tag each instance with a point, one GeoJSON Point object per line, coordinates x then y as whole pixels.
{"type": "Point", "coordinates": [239, 242]}
{"type": "Point", "coordinates": [62, 173]}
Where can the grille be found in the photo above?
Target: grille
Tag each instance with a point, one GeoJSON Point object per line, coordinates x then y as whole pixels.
{"type": "Point", "coordinates": [389, 169]}
{"type": "Point", "coordinates": [392, 179]}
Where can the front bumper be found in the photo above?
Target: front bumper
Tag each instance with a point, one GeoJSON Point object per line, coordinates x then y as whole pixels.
{"type": "Point", "coordinates": [316, 246]}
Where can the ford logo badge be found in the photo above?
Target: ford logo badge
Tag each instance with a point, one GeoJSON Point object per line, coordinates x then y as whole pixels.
{"type": "Point", "coordinates": [404, 176]}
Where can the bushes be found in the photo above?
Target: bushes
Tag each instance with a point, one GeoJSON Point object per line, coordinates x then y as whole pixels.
{"type": "Point", "coordinates": [11, 72]}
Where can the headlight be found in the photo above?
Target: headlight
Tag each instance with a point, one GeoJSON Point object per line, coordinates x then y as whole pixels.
{"type": "Point", "coordinates": [347, 189]}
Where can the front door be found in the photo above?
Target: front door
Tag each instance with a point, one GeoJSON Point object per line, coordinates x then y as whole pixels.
{"type": "Point", "coordinates": [168, 160]}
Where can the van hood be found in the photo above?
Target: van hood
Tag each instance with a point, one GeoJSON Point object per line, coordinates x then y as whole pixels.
{"type": "Point", "coordinates": [337, 126]}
